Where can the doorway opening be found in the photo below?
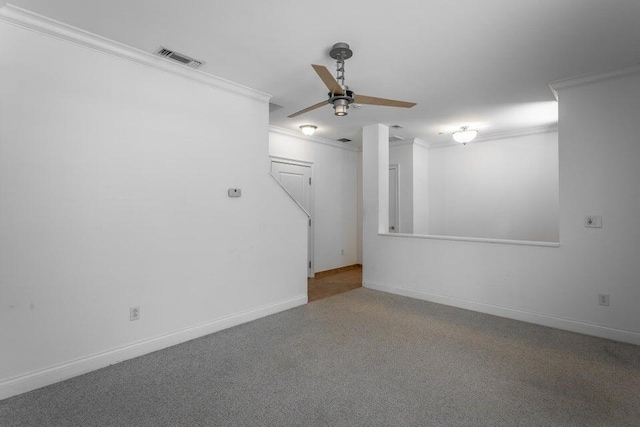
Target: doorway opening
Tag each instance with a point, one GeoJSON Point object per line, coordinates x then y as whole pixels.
{"type": "Point", "coordinates": [296, 178]}
{"type": "Point", "coordinates": [394, 205]}
{"type": "Point", "coordinates": [333, 282]}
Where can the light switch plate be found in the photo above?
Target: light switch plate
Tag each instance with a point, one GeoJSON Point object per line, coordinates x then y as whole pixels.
{"type": "Point", "coordinates": [593, 221]}
{"type": "Point", "coordinates": [235, 192]}
{"type": "Point", "coordinates": [603, 299]}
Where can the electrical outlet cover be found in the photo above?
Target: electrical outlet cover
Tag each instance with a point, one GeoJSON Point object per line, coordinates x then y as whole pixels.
{"type": "Point", "coordinates": [134, 313]}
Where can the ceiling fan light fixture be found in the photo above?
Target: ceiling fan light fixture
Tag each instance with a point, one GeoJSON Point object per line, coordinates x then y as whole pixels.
{"type": "Point", "coordinates": [308, 129]}
{"type": "Point", "coordinates": [340, 107]}
{"type": "Point", "coordinates": [464, 135]}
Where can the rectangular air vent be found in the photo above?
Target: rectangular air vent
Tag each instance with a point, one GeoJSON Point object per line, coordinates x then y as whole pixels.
{"type": "Point", "coordinates": [394, 138]}
{"type": "Point", "coordinates": [178, 57]}
{"type": "Point", "coordinates": [344, 140]}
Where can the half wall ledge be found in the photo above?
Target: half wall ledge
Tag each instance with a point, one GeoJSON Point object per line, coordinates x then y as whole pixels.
{"type": "Point", "coordinates": [474, 239]}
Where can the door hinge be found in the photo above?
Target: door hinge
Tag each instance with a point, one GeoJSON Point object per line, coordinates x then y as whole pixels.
{"type": "Point", "coordinates": [309, 180]}
{"type": "Point", "coordinates": [309, 264]}
{"type": "Point", "coordinates": [309, 222]}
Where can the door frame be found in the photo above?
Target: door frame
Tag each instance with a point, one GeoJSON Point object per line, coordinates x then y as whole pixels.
{"type": "Point", "coordinates": [396, 167]}
{"type": "Point", "coordinates": [310, 236]}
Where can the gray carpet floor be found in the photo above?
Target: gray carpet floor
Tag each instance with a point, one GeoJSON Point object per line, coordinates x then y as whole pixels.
{"type": "Point", "coordinates": [362, 358]}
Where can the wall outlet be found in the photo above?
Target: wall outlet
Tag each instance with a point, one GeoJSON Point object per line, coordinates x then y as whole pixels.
{"type": "Point", "coordinates": [593, 221]}
{"type": "Point", "coordinates": [134, 313]}
{"type": "Point", "coordinates": [603, 299]}
{"type": "Point", "coordinates": [234, 192]}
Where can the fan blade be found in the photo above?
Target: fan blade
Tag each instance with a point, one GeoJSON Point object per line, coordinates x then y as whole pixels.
{"type": "Point", "coordinates": [328, 79]}
{"type": "Point", "coordinates": [371, 100]}
{"type": "Point", "coordinates": [306, 110]}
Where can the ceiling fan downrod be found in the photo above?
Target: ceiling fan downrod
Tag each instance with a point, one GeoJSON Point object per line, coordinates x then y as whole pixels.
{"type": "Point", "coordinates": [340, 72]}
{"type": "Point", "coordinates": [340, 52]}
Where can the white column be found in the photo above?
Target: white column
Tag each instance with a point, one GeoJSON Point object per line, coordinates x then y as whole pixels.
{"type": "Point", "coordinates": [375, 182]}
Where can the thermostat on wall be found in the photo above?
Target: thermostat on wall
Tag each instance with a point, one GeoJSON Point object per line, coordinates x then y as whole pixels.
{"type": "Point", "coordinates": [235, 192]}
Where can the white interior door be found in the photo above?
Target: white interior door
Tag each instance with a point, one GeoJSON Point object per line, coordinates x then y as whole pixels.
{"type": "Point", "coordinates": [393, 199]}
{"type": "Point", "coordinates": [295, 178]}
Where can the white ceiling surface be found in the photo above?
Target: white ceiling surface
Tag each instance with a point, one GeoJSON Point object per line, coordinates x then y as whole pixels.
{"type": "Point", "coordinates": [485, 63]}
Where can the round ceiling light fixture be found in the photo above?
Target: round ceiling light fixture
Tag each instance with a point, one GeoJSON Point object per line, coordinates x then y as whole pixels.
{"type": "Point", "coordinates": [308, 129]}
{"type": "Point", "coordinates": [464, 135]}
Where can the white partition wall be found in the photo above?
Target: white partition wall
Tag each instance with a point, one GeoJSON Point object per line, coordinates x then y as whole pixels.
{"type": "Point", "coordinates": [113, 194]}
{"type": "Point", "coordinates": [599, 154]}
{"type": "Point", "coordinates": [375, 192]}
{"type": "Point", "coordinates": [421, 198]}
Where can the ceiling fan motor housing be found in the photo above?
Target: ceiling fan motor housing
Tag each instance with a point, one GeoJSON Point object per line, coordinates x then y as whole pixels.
{"type": "Point", "coordinates": [341, 102]}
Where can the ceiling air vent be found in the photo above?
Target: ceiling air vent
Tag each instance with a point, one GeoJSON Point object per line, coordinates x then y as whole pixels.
{"type": "Point", "coordinates": [178, 57]}
{"type": "Point", "coordinates": [344, 140]}
{"type": "Point", "coordinates": [394, 138]}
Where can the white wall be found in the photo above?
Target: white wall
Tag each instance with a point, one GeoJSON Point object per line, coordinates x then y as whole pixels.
{"type": "Point", "coordinates": [402, 155]}
{"type": "Point", "coordinates": [599, 154]}
{"type": "Point", "coordinates": [420, 183]}
{"type": "Point", "coordinates": [335, 175]}
{"type": "Point", "coordinates": [359, 211]}
{"type": "Point", "coordinates": [113, 193]}
{"type": "Point", "coordinates": [503, 189]}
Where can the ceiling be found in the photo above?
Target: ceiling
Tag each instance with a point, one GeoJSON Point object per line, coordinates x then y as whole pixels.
{"type": "Point", "coordinates": [481, 63]}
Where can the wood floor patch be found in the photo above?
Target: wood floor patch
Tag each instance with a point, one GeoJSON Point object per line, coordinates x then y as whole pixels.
{"type": "Point", "coordinates": [326, 285]}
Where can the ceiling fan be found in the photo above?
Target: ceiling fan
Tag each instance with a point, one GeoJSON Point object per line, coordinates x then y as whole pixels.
{"type": "Point", "coordinates": [339, 94]}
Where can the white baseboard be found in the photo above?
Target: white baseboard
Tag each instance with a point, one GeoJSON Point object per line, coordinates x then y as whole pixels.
{"type": "Point", "coordinates": [44, 377]}
{"type": "Point", "coordinates": [511, 313]}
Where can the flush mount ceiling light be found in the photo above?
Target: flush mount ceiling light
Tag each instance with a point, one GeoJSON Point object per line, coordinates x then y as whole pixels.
{"type": "Point", "coordinates": [464, 135]}
{"type": "Point", "coordinates": [308, 129]}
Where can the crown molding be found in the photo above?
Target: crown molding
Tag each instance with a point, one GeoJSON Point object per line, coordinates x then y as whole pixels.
{"type": "Point", "coordinates": [400, 143]}
{"type": "Point", "coordinates": [28, 20]}
{"type": "Point", "coordinates": [519, 132]}
{"type": "Point", "coordinates": [420, 143]}
{"type": "Point", "coordinates": [502, 135]}
{"type": "Point", "coordinates": [316, 139]}
{"type": "Point", "coordinates": [591, 78]}
{"type": "Point", "coordinates": [413, 141]}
